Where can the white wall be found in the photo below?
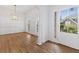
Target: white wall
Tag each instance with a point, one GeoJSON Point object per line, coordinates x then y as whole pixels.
{"type": "Point", "coordinates": [10, 26]}
{"type": "Point", "coordinates": [7, 25]}
{"type": "Point", "coordinates": [43, 24]}
{"type": "Point", "coordinates": [70, 40]}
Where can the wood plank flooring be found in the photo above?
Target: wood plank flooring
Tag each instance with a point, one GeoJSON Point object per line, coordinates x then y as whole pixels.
{"type": "Point", "coordinates": [26, 43]}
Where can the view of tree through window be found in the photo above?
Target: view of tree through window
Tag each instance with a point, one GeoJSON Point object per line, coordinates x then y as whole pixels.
{"type": "Point", "coordinates": [69, 20]}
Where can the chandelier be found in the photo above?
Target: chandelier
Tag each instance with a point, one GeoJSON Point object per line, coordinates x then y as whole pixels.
{"type": "Point", "coordinates": [14, 16]}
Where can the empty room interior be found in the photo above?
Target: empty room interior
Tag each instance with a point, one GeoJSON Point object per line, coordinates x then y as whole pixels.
{"type": "Point", "coordinates": [39, 29]}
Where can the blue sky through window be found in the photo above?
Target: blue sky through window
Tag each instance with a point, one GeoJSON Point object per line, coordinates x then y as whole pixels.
{"type": "Point", "coordinates": [68, 12]}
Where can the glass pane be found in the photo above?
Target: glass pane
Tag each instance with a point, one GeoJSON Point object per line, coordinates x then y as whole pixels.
{"type": "Point", "coordinates": [69, 20]}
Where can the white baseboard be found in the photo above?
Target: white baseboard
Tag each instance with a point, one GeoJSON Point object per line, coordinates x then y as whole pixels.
{"type": "Point", "coordinates": [39, 43]}
{"type": "Point", "coordinates": [63, 44]}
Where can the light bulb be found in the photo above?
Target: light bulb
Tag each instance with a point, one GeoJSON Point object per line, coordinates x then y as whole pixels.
{"type": "Point", "coordinates": [14, 17]}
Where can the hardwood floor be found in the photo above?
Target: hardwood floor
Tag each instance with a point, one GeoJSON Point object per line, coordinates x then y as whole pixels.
{"type": "Point", "coordinates": [26, 43]}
